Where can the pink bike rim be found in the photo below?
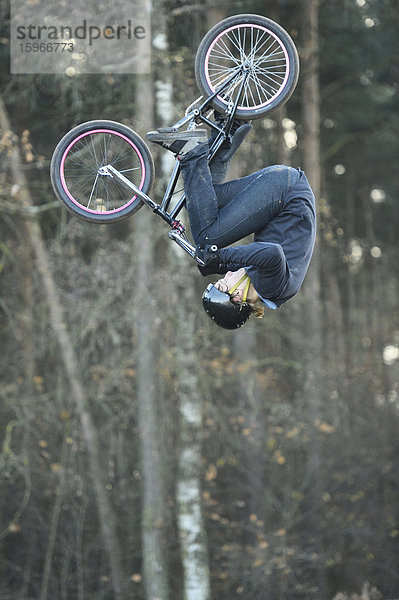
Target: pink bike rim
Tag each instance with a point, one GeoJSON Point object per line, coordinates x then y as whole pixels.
{"type": "Point", "coordinates": [273, 98]}
{"type": "Point", "coordinates": [64, 185]}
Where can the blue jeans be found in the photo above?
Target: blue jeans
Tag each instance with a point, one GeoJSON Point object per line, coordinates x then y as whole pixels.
{"type": "Point", "coordinates": [224, 213]}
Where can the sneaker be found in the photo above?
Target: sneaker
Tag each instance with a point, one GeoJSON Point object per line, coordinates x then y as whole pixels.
{"type": "Point", "coordinates": [178, 142]}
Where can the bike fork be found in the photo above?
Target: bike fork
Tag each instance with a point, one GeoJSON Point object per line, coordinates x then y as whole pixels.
{"type": "Point", "coordinates": [110, 171]}
{"type": "Point", "coordinates": [177, 237]}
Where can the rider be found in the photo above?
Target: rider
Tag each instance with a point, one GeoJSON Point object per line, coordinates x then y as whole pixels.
{"type": "Point", "coordinates": [276, 204]}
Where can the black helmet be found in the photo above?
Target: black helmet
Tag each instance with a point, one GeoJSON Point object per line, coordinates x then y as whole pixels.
{"type": "Point", "coordinates": [219, 307]}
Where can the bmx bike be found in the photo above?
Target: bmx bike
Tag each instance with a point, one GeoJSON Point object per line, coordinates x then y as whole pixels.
{"type": "Point", "coordinates": [246, 66]}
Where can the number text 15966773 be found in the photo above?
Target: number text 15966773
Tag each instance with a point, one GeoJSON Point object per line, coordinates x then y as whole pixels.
{"type": "Point", "coordinates": [48, 47]}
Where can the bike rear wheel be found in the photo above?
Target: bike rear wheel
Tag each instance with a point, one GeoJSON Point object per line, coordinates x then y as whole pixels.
{"type": "Point", "coordinates": [76, 171]}
{"type": "Point", "coordinates": [248, 44]}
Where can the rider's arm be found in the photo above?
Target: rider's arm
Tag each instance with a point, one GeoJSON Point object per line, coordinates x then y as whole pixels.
{"type": "Point", "coordinates": [265, 262]}
{"type": "Point", "coordinates": [263, 255]}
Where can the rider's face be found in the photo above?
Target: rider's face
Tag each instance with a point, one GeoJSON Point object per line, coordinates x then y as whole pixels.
{"type": "Point", "coordinates": [229, 280]}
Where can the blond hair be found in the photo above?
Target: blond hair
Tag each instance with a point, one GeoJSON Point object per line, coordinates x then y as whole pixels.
{"type": "Point", "coordinates": [257, 307]}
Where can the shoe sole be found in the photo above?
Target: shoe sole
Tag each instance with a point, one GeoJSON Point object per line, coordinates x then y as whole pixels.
{"type": "Point", "coordinates": [182, 136]}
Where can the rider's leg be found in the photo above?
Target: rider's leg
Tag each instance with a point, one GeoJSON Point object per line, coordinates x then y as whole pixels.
{"type": "Point", "coordinates": [225, 213]}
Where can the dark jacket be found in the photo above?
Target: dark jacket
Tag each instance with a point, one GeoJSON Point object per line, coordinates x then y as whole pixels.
{"type": "Point", "coordinates": [278, 258]}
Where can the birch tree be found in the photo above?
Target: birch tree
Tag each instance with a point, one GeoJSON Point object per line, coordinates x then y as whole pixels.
{"type": "Point", "coordinates": [189, 497]}
{"type": "Point", "coordinates": [153, 550]}
{"type": "Point", "coordinates": [153, 511]}
{"type": "Point", "coordinates": [191, 529]}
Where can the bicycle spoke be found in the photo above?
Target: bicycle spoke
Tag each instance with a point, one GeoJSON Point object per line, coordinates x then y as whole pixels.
{"type": "Point", "coordinates": [227, 51]}
{"type": "Point", "coordinates": [127, 170]}
{"type": "Point", "coordinates": [81, 171]}
{"type": "Point", "coordinates": [92, 191]}
{"type": "Point", "coordinates": [260, 52]}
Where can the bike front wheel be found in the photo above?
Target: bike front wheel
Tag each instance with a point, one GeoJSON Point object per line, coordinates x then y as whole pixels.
{"type": "Point", "coordinates": [255, 47]}
{"type": "Point", "coordinates": [79, 182]}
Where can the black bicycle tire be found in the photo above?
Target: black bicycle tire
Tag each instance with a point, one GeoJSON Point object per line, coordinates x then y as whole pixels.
{"type": "Point", "coordinates": [278, 32]}
{"type": "Point", "coordinates": [81, 130]}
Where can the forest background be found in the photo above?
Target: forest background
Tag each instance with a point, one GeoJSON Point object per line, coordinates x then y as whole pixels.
{"type": "Point", "coordinates": [147, 454]}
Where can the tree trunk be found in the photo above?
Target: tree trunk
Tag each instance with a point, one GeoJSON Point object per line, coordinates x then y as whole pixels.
{"type": "Point", "coordinates": [311, 161]}
{"type": "Point", "coordinates": [255, 458]}
{"type": "Point", "coordinates": [153, 509]}
{"type": "Point", "coordinates": [153, 551]}
{"type": "Point", "coordinates": [189, 498]}
{"type": "Point", "coordinates": [70, 362]}
{"type": "Point", "coordinates": [191, 529]}
{"type": "Point", "coordinates": [313, 316]}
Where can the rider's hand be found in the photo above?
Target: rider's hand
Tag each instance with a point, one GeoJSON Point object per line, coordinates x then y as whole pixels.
{"type": "Point", "coordinates": [211, 258]}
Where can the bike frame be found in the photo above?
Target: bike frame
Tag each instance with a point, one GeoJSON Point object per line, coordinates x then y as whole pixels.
{"type": "Point", "coordinates": [192, 117]}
